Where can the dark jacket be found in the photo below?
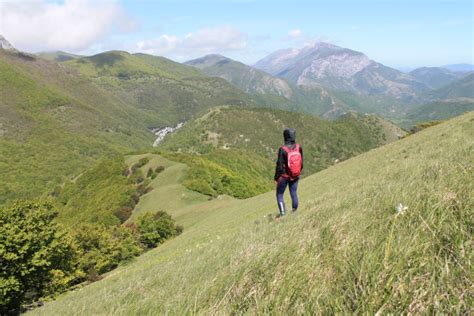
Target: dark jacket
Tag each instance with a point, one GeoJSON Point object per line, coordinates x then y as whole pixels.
{"type": "Point", "coordinates": [289, 136]}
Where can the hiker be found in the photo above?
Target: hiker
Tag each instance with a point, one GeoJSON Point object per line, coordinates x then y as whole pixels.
{"type": "Point", "coordinates": [288, 169]}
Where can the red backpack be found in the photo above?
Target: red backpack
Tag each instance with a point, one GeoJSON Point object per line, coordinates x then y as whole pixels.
{"type": "Point", "coordinates": [294, 161]}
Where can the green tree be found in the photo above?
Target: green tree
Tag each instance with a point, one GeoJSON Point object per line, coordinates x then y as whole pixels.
{"type": "Point", "coordinates": [102, 248]}
{"type": "Point", "coordinates": [34, 254]}
{"type": "Point", "coordinates": [156, 228]}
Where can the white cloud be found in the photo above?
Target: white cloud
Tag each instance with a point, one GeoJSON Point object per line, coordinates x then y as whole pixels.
{"type": "Point", "coordinates": [294, 34]}
{"type": "Point", "coordinates": [215, 39]}
{"type": "Point", "coordinates": [163, 45]}
{"type": "Point", "coordinates": [75, 25]}
{"type": "Point", "coordinates": [203, 41]}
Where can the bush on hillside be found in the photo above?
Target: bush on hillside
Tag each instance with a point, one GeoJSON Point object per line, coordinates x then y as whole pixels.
{"type": "Point", "coordinates": [421, 126]}
{"type": "Point", "coordinates": [123, 213]}
{"type": "Point", "coordinates": [149, 173]}
{"type": "Point", "coordinates": [36, 257]}
{"type": "Point", "coordinates": [102, 248]}
{"type": "Point", "coordinates": [156, 228]}
{"type": "Point", "coordinates": [139, 164]}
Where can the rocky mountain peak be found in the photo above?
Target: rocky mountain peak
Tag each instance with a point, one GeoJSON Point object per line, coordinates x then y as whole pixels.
{"type": "Point", "coordinates": [339, 68]}
{"type": "Point", "coordinates": [4, 44]}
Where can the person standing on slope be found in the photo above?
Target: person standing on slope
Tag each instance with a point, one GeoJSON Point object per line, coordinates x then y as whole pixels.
{"type": "Point", "coordinates": [288, 169]}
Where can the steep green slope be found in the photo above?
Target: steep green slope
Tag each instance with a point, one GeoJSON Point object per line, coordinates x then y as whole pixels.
{"type": "Point", "coordinates": [54, 123]}
{"type": "Point", "coordinates": [169, 91]}
{"type": "Point", "coordinates": [347, 251]}
{"type": "Point", "coordinates": [260, 131]}
{"type": "Point", "coordinates": [249, 79]}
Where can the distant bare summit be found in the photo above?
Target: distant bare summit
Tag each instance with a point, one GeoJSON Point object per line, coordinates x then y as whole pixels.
{"type": "Point", "coordinates": [340, 69]}
{"type": "Point", "coordinates": [4, 44]}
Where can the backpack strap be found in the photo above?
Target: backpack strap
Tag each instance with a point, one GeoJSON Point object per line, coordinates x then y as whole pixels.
{"type": "Point", "coordinates": [287, 150]}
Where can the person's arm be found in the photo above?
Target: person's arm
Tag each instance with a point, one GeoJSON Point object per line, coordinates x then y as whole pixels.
{"type": "Point", "coordinates": [280, 169]}
{"type": "Point", "coordinates": [301, 152]}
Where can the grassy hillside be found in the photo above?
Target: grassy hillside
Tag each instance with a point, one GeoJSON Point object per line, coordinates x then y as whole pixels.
{"type": "Point", "coordinates": [169, 91]}
{"type": "Point", "coordinates": [260, 131]}
{"type": "Point", "coordinates": [54, 123]}
{"type": "Point", "coordinates": [167, 183]}
{"type": "Point", "coordinates": [347, 251]}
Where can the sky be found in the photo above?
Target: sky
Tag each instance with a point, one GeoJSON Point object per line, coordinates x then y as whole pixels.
{"type": "Point", "coordinates": [402, 34]}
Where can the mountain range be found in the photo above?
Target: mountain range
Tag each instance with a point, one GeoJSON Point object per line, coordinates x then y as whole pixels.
{"type": "Point", "coordinates": [63, 117]}
{"type": "Point", "coordinates": [340, 69]}
{"type": "Point", "coordinates": [381, 210]}
{"type": "Point", "coordinates": [346, 81]}
{"type": "Point", "coordinates": [91, 106]}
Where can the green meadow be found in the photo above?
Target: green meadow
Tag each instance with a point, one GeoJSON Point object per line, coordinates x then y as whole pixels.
{"type": "Point", "coordinates": [347, 250]}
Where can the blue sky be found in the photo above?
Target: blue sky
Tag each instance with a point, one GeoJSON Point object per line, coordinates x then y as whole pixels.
{"type": "Point", "coordinates": [397, 33]}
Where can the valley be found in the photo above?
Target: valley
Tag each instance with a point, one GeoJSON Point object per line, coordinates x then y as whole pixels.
{"type": "Point", "coordinates": [115, 147]}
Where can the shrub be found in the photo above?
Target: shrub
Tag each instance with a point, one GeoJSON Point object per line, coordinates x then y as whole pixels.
{"type": "Point", "coordinates": [143, 187]}
{"type": "Point", "coordinates": [123, 213]}
{"type": "Point", "coordinates": [102, 248]}
{"type": "Point", "coordinates": [156, 228]}
{"type": "Point", "coordinates": [143, 162]}
{"type": "Point", "coordinates": [36, 257]}
{"type": "Point", "coordinates": [159, 169]}
{"type": "Point", "coordinates": [421, 126]}
{"type": "Point", "coordinates": [139, 164]}
{"type": "Point", "coordinates": [139, 179]}
{"type": "Point", "coordinates": [149, 173]}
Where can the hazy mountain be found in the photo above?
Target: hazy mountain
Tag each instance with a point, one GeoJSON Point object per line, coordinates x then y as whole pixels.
{"type": "Point", "coordinates": [461, 88]}
{"type": "Point", "coordinates": [435, 77]}
{"type": "Point", "coordinates": [275, 92]}
{"type": "Point", "coordinates": [249, 79]}
{"type": "Point", "coordinates": [459, 67]}
{"type": "Point", "coordinates": [271, 91]}
{"type": "Point", "coordinates": [437, 110]}
{"type": "Point", "coordinates": [340, 69]}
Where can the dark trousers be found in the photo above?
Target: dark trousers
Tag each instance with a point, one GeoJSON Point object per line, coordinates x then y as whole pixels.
{"type": "Point", "coordinates": [280, 190]}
